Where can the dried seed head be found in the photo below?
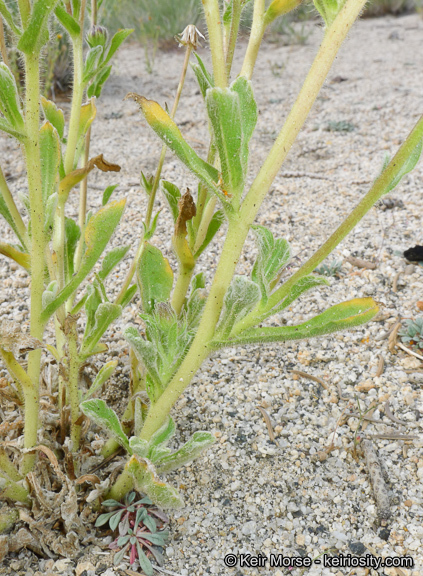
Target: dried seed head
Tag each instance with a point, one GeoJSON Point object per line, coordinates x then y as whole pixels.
{"type": "Point", "coordinates": [97, 36]}
{"type": "Point", "coordinates": [190, 37]}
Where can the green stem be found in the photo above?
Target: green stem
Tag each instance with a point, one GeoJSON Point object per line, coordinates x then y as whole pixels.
{"type": "Point", "coordinates": [78, 93]}
{"type": "Point", "coordinates": [236, 18]}
{"type": "Point", "coordinates": [239, 226]}
{"type": "Point", "coordinates": [38, 244]}
{"type": "Point", "coordinates": [205, 223]}
{"type": "Point", "coordinates": [256, 37]}
{"type": "Point", "coordinates": [25, 11]}
{"type": "Point", "coordinates": [82, 215]}
{"type": "Point", "coordinates": [156, 182]}
{"type": "Point", "coordinates": [200, 347]}
{"type": "Point", "coordinates": [214, 27]}
{"type": "Point", "coordinates": [121, 487]}
{"type": "Point", "coordinates": [14, 212]}
{"type": "Point", "coordinates": [15, 492]}
{"type": "Point", "coordinates": [72, 385]}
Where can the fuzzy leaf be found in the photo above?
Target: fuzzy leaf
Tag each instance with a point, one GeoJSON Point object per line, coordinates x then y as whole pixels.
{"type": "Point", "coordinates": [50, 154]}
{"type": "Point", "coordinates": [69, 23]}
{"type": "Point", "coordinates": [240, 298]}
{"type": "Point", "coordinates": [4, 211]}
{"type": "Point", "coordinates": [172, 195]}
{"type": "Point", "coordinates": [10, 105]}
{"type": "Point", "coordinates": [249, 115]}
{"type": "Point", "coordinates": [167, 130]}
{"type": "Point", "coordinates": [91, 62]}
{"type": "Point", "coordinates": [407, 167]}
{"type": "Point", "coordinates": [145, 563]}
{"type": "Point", "coordinates": [8, 18]}
{"type": "Point", "coordinates": [302, 286]}
{"type": "Point", "coordinates": [103, 375]}
{"type": "Point", "coordinates": [105, 314]}
{"type": "Point", "coordinates": [129, 294]}
{"type": "Point", "coordinates": [155, 277]}
{"type": "Point", "coordinates": [164, 434]}
{"type": "Point", "coordinates": [204, 79]}
{"type": "Point", "coordinates": [147, 354]}
{"type": "Point", "coordinates": [7, 127]}
{"type": "Point", "coordinates": [98, 232]}
{"type": "Point", "coordinates": [72, 235]}
{"type": "Point", "coordinates": [223, 108]}
{"type": "Point", "coordinates": [138, 447]}
{"type": "Point", "coordinates": [97, 85]}
{"type": "Point", "coordinates": [138, 416]}
{"type": "Point", "coordinates": [329, 9]}
{"type": "Point", "coordinates": [273, 256]}
{"type": "Point", "coordinates": [36, 33]}
{"type": "Point", "coordinates": [107, 194]}
{"type": "Point", "coordinates": [146, 481]}
{"type": "Point", "coordinates": [215, 223]}
{"type": "Point", "coordinates": [49, 294]}
{"type": "Point", "coordinates": [86, 118]}
{"type": "Point", "coordinates": [117, 40]}
{"type": "Point", "coordinates": [340, 317]}
{"type": "Point", "coordinates": [199, 442]}
{"type": "Point", "coordinates": [279, 8]}
{"type": "Point", "coordinates": [54, 115]}
{"type": "Point", "coordinates": [98, 411]}
{"type": "Point", "coordinates": [111, 260]}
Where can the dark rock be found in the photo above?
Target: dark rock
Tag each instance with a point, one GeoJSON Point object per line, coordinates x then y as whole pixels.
{"type": "Point", "coordinates": [414, 254]}
{"type": "Point", "coordinates": [384, 534]}
{"type": "Point", "coordinates": [357, 548]}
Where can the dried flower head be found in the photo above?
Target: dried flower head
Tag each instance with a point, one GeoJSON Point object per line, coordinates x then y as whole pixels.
{"type": "Point", "coordinates": [190, 37]}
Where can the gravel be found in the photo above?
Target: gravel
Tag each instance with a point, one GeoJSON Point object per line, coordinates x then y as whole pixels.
{"type": "Point", "coordinates": [249, 495]}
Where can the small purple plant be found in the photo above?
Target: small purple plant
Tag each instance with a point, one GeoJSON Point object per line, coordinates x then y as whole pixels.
{"type": "Point", "coordinates": [138, 530]}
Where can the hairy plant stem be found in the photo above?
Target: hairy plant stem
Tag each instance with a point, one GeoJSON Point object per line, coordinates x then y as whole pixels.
{"type": "Point", "coordinates": [25, 11]}
{"type": "Point", "coordinates": [82, 215]}
{"type": "Point", "coordinates": [256, 37]}
{"type": "Point", "coordinates": [77, 96]}
{"type": "Point", "coordinates": [3, 49]}
{"type": "Point", "coordinates": [13, 209]}
{"type": "Point", "coordinates": [38, 245]}
{"type": "Point", "coordinates": [214, 27]}
{"type": "Point", "coordinates": [73, 383]}
{"type": "Point", "coordinates": [240, 224]}
{"type": "Point", "coordinates": [156, 182]}
{"type": "Point", "coordinates": [233, 36]}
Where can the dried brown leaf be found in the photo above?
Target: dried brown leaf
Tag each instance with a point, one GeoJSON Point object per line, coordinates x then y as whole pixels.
{"type": "Point", "coordinates": [13, 340]}
{"type": "Point", "coordinates": [187, 211]}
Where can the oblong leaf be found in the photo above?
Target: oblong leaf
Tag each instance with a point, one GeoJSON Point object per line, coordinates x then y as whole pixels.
{"type": "Point", "coordinates": [103, 375]}
{"type": "Point", "coordinates": [54, 115]}
{"type": "Point", "coordinates": [50, 154]}
{"type": "Point", "coordinates": [164, 434]}
{"type": "Point", "coordinates": [199, 442]}
{"type": "Point", "coordinates": [10, 105]}
{"type": "Point", "coordinates": [98, 411]}
{"type": "Point", "coordinates": [155, 277]}
{"type": "Point", "coordinates": [105, 314]}
{"type": "Point", "coordinates": [36, 33]}
{"type": "Point", "coordinates": [69, 23]}
{"type": "Point", "coordinates": [172, 195]}
{"type": "Point", "coordinates": [279, 8]}
{"type": "Point", "coordinates": [240, 298]}
{"type": "Point", "coordinates": [13, 253]}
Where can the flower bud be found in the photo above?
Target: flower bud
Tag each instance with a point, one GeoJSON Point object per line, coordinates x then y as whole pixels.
{"type": "Point", "coordinates": [329, 9]}
{"type": "Point", "coordinates": [97, 36]}
{"type": "Point", "coordinates": [279, 8]}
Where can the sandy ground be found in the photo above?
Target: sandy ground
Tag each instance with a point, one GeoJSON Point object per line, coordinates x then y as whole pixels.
{"type": "Point", "coordinates": [248, 495]}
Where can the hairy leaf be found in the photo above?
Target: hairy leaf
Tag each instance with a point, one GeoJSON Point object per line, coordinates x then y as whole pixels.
{"type": "Point", "coordinates": [138, 447]}
{"type": "Point", "coordinates": [204, 79]}
{"type": "Point", "coordinates": [215, 223]}
{"type": "Point", "coordinates": [407, 167]}
{"type": "Point", "coordinates": [146, 481]}
{"type": "Point", "coordinates": [98, 411]}
{"type": "Point", "coordinates": [8, 18]}
{"type": "Point", "coordinates": [164, 434]}
{"type": "Point", "coordinates": [240, 298]}
{"type": "Point", "coordinates": [54, 115]}
{"type": "Point", "coordinates": [13, 253]}
{"type": "Point", "coordinates": [10, 105]}
{"type": "Point", "coordinates": [279, 8]}
{"type": "Point", "coordinates": [36, 33]}
{"type": "Point", "coordinates": [50, 154]}
{"type": "Point", "coordinates": [105, 314]}
{"type": "Point", "coordinates": [69, 23]}
{"type": "Point", "coordinates": [111, 260]}
{"type": "Point", "coordinates": [103, 375]}
{"type": "Point", "coordinates": [97, 85]}
{"type": "Point", "coordinates": [107, 194]}
{"type": "Point", "coordinates": [72, 235]}
{"type": "Point", "coordinates": [199, 442]}
{"type": "Point", "coordinates": [155, 277]}
{"type": "Point", "coordinates": [172, 195]}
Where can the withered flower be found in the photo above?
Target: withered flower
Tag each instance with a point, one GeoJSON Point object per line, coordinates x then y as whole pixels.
{"type": "Point", "coordinates": [190, 37]}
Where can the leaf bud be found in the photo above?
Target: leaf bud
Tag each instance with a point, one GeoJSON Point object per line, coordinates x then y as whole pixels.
{"type": "Point", "coordinates": [97, 36]}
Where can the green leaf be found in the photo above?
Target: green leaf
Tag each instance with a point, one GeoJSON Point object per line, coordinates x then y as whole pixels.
{"type": "Point", "coordinates": [407, 167]}
{"type": "Point", "coordinates": [86, 118]}
{"type": "Point", "coordinates": [117, 40]}
{"type": "Point", "coordinates": [98, 411]}
{"type": "Point", "coordinates": [329, 9]}
{"type": "Point", "coordinates": [97, 85]}
{"type": "Point", "coordinates": [340, 317]}
{"type": "Point", "coordinates": [8, 18]}
{"type": "Point", "coordinates": [227, 13]}
{"type": "Point", "coordinates": [4, 211]}
{"type": "Point", "coordinates": [147, 354]}
{"type": "Point", "coordinates": [194, 307]}
{"type": "Point", "coordinates": [49, 293]}
{"type": "Point", "coordinates": [164, 434]}
{"type": "Point", "coordinates": [198, 282]}
{"type": "Point", "coordinates": [145, 563]}
{"type": "Point", "coordinates": [240, 298]}
{"type": "Point", "coordinates": [223, 108]}
{"type": "Point", "coordinates": [5, 126]}
{"type": "Point", "coordinates": [146, 481]}
{"type": "Point", "coordinates": [138, 447]}
{"type": "Point", "coordinates": [10, 105]}
{"type": "Point", "coordinates": [50, 154]}
{"type": "Point", "coordinates": [249, 115]}
{"type": "Point", "coordinates": [103, 375]}
{"type": "Point", "coordinates": [129, 294]}
{"type": "Point", "coordinates": [69, 23]}
{"type": "Point", "coordinates": [215, 223]}
{"type": "Point", "coordinates": [172, 195]}
{"type": "Point", "coordinates": [36, 33]}
{"type": "Point", "coordinates": [279, 8]}
{"type": "Point", "coordinates": [54, 115]}
{"type": "Point", "coordinates": [107, 194]}
{"type": "Point", "coordinates": [138, 416]}
{"type": "Point", "coordinates": [91, 62]}
{"type": "Point", "coordinates": [105, 314]}
{"type": "Point", "coordinates": [155, 277]}
{"type": "Point", "coordinates": [199, 442]}
{"type": "Point", "coordinates": [273, 256]}
{"type": "Point", "coordinates": [92, 302]}
{"type": "Point", "coordinates": [104, 518]}
{"type": "Point", "coordinates": [302, 286]}
{"type": "Point", "coordinates": [111, 260]}
{"type": "Point", "coordinates": [72, 235]}
{"type": "Point", "coordinates": [98, 232]}
{"type": "Point", "coordinates": [168, 131]}
{"type": "Point", "coordinates": [204, 79]}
